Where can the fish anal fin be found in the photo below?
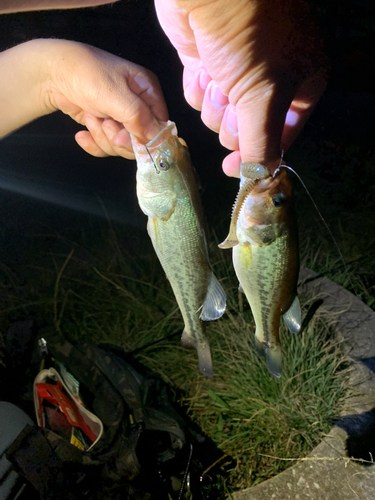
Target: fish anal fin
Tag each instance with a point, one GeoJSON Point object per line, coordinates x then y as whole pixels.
{"type": "Point", "coordinates": [292, 317]}
{"type": "Point", "coordinates": [214, 303]}
{"type": "Point", "coordinates": [272, 355]}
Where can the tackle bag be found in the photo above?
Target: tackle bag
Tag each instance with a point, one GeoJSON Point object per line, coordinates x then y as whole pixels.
{"type": "Point", "coordinates": [144, 448]}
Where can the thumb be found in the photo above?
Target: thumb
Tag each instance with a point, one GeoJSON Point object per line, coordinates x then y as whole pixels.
{"type": "Point", "coordinates": [139, 121]}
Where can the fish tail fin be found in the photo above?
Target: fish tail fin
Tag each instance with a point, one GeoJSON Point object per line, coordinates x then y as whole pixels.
{"type": "Point", "coordinates": [203, 351]}
{"type": "Point", "coordinates": [292, 317]}
{"type": "Point", "coordinates": [260, 347]}
{"type": "Point", "coordinates": [273, 360]}
{"type": "Point", "coordinates": [188, 341]}
{"type": "Point", "coordinates": [214, 303]}
{"type": "Point", "coordinates": [272, 355]}
{"type": "Point", "coordinates": [204, 359]}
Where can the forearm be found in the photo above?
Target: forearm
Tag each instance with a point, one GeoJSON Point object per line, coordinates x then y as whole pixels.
{"type": "Point", "coordinates": [8, 6]}
{"type": "Point", "coordinates": [24, 80]}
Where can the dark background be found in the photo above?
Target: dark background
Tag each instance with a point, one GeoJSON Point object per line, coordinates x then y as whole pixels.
{"type": "Point", "coordinates": [43, 159]}
{"type": "Point", "coordinates": [43, 162]}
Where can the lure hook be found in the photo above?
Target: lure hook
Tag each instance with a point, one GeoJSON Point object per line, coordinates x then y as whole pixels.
{"type": "Point", "coordinates": [149, 154]}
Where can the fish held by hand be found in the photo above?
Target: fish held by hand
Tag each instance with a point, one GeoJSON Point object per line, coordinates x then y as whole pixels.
{"type": "Point", "coordinates": [266, 261]}
{"type": "Point", "coordinates": [168, 194]}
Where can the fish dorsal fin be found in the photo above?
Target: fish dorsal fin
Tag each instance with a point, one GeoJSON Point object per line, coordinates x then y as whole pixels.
{"type": "Point", "coordinates": [292, 317]}
{"type": "Point", "coordinates": [214, 303]}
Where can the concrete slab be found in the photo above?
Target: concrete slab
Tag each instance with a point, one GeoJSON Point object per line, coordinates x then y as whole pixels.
{"type": "Point", "coordinates": [327, 473]}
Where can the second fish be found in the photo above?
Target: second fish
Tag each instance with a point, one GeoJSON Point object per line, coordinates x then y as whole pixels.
{"type": "Point", "coordinates": [264, 237]}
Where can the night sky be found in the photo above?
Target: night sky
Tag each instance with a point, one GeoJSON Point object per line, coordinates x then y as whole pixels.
{"type": "Point", "coordinates": [43, 159]}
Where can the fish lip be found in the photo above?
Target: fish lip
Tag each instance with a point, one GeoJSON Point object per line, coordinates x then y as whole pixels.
{"type": "Point", "coordinates": [169, 127]}
{"type": "Point", "coordinates": [149, 193]}
{"type": "Point", "coordinates": [169, 130]}
{"type": "Point", "coordinates": [248, 221]}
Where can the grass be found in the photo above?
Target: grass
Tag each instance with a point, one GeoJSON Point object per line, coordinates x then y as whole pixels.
{"type": "Point", "coordinates": [95, 289]}
{"type": "Point", "coordinates": [105, 284]}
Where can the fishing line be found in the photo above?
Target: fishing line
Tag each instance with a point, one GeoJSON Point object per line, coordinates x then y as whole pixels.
{"type": "Point", "coordinates": [149, 154]}
{"type": "Point", "coordinates": [320, 215]}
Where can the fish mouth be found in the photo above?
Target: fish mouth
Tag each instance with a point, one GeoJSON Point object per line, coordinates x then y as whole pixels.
{"type": "Point", "coordinates": [167, 131]}
{"type": "Point", "coordinates": [251, 222]}
{"type": "Point", "coordinates": [148, 193]}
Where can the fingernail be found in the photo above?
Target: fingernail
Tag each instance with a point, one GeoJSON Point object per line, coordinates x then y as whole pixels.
{"type": "Point", "coordinates": [122, 140]}
{"type": "Point", "coordinates": [153, 131]}
{"type": "Point", "coordinates": [148, 133]}
{"type": "Point", "coordinates": [203, 78]}
{"type": "Point", "coordinates": [232, 123]}
{"type": "Point", "coordinates": [217, 98]}
{"type": "Point", "coordinates": [82, 141]}
{"type": "Point", "coordinates": [291, 118]}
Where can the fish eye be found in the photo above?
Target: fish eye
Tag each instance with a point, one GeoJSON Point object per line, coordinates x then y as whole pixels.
{"type": "Point", "coordinates": [278, 200]}
{"type": "Point", "coordinates": [164, 164]}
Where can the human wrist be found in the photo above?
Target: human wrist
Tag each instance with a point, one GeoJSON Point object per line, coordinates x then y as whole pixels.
{"type": "Point", "coordinates": [24, 72]}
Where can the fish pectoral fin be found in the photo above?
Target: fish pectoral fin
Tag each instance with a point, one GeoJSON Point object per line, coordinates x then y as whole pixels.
{"type": "Point", "coordinates": [272, 355]}
{"type": "Point", "coordinates": [160, 206]}
{"type": "Point", "coordinates": [203, 350]}
{"type": "Point", "coordinates": [167, 215]}
{"type": "Point", "coordinates": [292, 317]}
{"type": "Point", "coordinates": [214, 303]}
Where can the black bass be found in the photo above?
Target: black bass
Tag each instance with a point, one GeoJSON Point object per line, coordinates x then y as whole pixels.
{"type": "Point", "coordinates": [266, 258]}
{"type": "Point", "coordinates": [168, 194]}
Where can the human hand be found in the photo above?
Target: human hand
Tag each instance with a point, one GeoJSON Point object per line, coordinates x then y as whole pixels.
{"type": "Point", "coordinates": [109, 95]}
{"type": "Point", "coordinates": [254, 68]}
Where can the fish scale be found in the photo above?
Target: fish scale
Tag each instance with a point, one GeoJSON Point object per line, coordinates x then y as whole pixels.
{"type": "Point", "coordinates": [179, 259]}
